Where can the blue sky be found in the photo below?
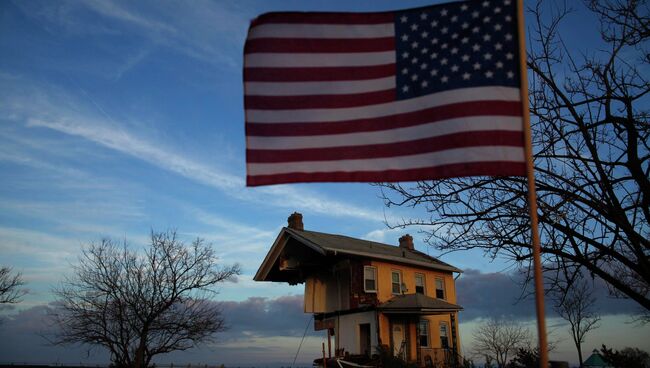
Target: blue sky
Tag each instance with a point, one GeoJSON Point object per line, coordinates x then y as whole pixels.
{"type": "Point", "coordinates": [119, 117]}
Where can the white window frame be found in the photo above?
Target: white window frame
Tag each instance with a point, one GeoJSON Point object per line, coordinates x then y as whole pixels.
{"type": "Point", "coordinates": [399, 273]}
{"type": "Point", "coordinates": [444, 292]}
{"type": "Point", "coordinates": [424, 283]}
{"type": "Point", "coordinates": [428, 332]}
{"type": "Point", "coordinates": [446, 325]}
{"type": "Point", "coordinates": [374, 271]}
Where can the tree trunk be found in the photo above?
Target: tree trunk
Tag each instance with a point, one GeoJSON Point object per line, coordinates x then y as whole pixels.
{"type": "Point", "coordinates": [579, 354]}
{"type": "Point", "coordinates": [139, 360]}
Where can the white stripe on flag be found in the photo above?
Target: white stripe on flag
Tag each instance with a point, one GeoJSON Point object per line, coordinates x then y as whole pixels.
{"type": "Point", "coordinates": [347, 31]}
{"type": "Point", "coordinates": [318, 88]}
{"type": "Point", "coordinates": [390, 108]}
{"type": "Point", "coordinates": [433, 159]}
{"type": "Point", "coordinates": [296, 60]}
{"type": "Point", "coordinates": [436, 129]}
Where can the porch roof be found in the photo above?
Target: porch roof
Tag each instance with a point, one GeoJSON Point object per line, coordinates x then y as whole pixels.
{"type": "Point", "coordinates": [417, 304]}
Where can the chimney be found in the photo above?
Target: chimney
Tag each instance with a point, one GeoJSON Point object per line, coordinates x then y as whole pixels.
{"type": "Point", "coordinates": [295, 221]}
{"type": "Point", "coordinates": [406, 241]}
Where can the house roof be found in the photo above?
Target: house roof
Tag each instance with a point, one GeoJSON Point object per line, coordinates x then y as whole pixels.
{"type": "Point", "coordinates": [595, 361]}
{"type": "Point", "coordinates": [334, 244]}
{"type": "Point", "coordinates": [348, 245]}
{"type": "Point", "coordinates": [417, 304]}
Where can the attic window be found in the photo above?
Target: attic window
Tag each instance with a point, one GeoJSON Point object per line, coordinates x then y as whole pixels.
{"type": "Point", "coordinates": [369, 279]}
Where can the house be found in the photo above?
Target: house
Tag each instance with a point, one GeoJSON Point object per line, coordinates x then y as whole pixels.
{"type": "Point", "coordinates": [367, 294]}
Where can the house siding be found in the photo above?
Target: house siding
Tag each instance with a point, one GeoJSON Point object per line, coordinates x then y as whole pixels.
{"type": "Point", "coordinates": [384, 270]}
{"type": "Point", "coordinates": [384, 293]}
{"type": "Point", "coordinates": [348, 336]}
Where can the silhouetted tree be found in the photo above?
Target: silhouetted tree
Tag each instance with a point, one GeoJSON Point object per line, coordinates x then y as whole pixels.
{"type": "Point", "coordinates": [139, 305]}
{"type": "Point", "coordinates": [500, 338]}
{"type": "Point", "coordinates": [591, 143]}
{"type": "Point", "coordinates": [625, 358]}
{"type": "Point", "coordinates": [577, 307]}
{"type": "Point", "coordinates": [525, 357]}
{"type": "Point", "coordinates": [10, 286]}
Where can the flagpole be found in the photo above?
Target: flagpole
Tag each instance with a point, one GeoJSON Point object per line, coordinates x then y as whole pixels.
{"type": "Point", "coordinates": [532, 196]}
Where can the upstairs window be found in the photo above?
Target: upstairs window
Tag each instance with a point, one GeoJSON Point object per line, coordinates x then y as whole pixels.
{"type": "Point", "coordinates": [424, 333]}
{"type": "Point", "coordinates": [419, 283]}
{"type": "Point", "coordinates": [440, 288]}
{"type": "Point", "coordinates": [369, 279]}
{"type": "Point", "coordinates": [396, 282]}
{"type": "Point", "coordinates": [444, 335]}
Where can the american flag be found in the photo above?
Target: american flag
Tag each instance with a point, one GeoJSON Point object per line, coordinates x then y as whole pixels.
{"type": "Point", "coordinates": [418, 94]}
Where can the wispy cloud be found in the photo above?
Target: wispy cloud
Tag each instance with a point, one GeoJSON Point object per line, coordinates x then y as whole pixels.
{"type": "Point", "coordinates": [43, 249]}
{"type": "Point", "coordinates": [131, 62]}
{"type": "Point", "coordinates": [44, 106]}
{"type": "Point", "coordinates": [211, 32]}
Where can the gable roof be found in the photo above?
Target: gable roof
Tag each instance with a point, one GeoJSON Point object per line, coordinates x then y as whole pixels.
{"type": "Point", "coordinates": [334, 244]}
{"type": "Point", "coordinates": [595, 361]}
{"type": "Point", "coordinates": [418, 304]}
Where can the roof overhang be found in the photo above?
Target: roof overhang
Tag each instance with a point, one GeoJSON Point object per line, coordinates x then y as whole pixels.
{"type": "Point", "coordinates": [419, 312]}
{"type": "Point", "coordinates": [398, 260]}
{"type": "Point", "coordinates": [276, 250]}
{"type": "Point", "coordinates": [418, 304]}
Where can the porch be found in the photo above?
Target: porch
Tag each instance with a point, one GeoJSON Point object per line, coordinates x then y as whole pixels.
{"type": "Point", "coordinates": [422, 330]}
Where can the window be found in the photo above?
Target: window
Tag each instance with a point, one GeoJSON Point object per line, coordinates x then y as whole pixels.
{"type": "Point", "coordinates": [424, 333]}
{"type": "Point", "coordinates": [419, 283]}
{"type": "Point", "coordinates": [444, 335]}
{"type": "Point", "coordinates": [440, 288]}
{"type": "Point", "coordinates": [396, 281]}
{"type": "Point", "coordinates": [369, 279]}
{"type": "Point", "coordinates": [364, 339]}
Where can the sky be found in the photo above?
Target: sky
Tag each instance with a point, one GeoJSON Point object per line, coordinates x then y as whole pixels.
{"type": "Point", "coordinates": [119, 118]}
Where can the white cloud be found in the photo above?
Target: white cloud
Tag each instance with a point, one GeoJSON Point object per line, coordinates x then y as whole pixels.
{"type": "Point", "coordinates": [131, 62]}
{"type": "Point", "coordinates": [40, 246]}
{"type": "Point", "coordinates": [43, 106]}
{"type": "Point", "coordinates": [113, 9]}
{"type": "Point", "coordinates": [208, 31]}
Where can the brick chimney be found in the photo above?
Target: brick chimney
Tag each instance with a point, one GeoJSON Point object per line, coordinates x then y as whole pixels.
{"type": "Point", "coordinates": [406, 241]}
{"type": "Point", "coordinates": [295, 221]}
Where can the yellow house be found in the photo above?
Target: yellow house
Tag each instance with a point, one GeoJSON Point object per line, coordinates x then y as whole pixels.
{"type": "Point", "coordinates": [367, 294]}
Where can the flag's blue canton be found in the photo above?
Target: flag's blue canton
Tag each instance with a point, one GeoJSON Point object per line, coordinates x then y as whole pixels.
{"type": "Point", "coordinates": [457, 45]}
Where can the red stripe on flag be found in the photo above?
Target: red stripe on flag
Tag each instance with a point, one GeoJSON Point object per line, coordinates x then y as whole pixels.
{"type": "Point", "coordinates": [428, 173]}
{"type": "Point", "coordinates": [318, 74]}
{"type": "Point", "coordinates": [432, 144]}
{"type": "Point", "coordinates": [458, 110]}
{"type": "Point", "coordinates": [318, 45]}
{"type": "Point", "coordinates": [323, 18]}
{"type": "Point", "coordinates": [319, 101]}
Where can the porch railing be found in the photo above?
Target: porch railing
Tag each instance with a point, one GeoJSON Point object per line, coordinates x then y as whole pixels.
{"type": "Point", "coordinates": [439, 358]}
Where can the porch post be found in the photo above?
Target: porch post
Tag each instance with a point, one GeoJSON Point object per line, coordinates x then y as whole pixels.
{"type": "Point", "coordinates": [454, 342]}
{"type": "Point", "coordinates": [329, 343]}
{"type": "Point", "coordinates": [390, 337]}
{"type": "Point", "coordinates": [418, 353]}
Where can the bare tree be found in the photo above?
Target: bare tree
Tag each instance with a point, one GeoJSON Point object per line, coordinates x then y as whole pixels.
{"type": "Point", "coordinates": [591, 137]}
{"type": "Point", "coordinates": [576, 306]}
{"type": "Point", "coordinates": [499, 339]}
{"type": "Point", "coordinates": [140, 305]}
{"type": "Point", "coordinates": [10, 286]}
